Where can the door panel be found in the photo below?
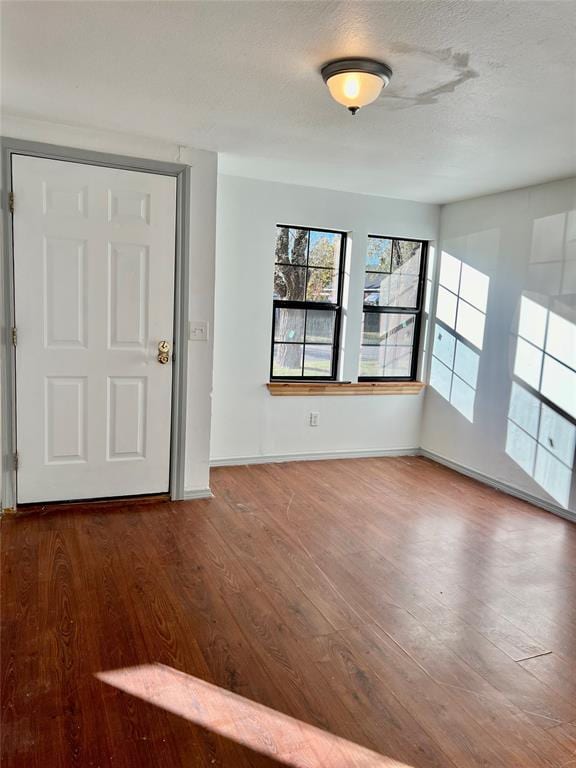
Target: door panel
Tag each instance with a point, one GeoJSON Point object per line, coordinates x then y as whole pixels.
{"type": "Point", "coordinates": [127, 408]}
{"type": "Point", "coordinates": [128, 281]}
{"type": "Point", "coordinates": [94, 291]}
{"type": "Point", "coordinates": [64, 293]}
{"type": "Point", "coordinates": [65, 419]}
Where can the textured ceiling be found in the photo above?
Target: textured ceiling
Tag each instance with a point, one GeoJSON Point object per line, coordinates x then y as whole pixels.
{"type": "Point", "coordinates": [482, 99]}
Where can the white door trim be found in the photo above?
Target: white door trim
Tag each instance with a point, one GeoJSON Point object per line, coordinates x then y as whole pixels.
{"type": "Point", "coordinates": [181, 172]}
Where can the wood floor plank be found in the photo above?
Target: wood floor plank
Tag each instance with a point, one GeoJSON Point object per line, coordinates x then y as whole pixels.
{"type": "Point", "coordinates": [523, 689]}
{"type": "Point", "coordinates": [421, 619]}
{"type": "Point", "coordinates": [555, 672]}
{"type": "Point", "coordinates": [566, 735]}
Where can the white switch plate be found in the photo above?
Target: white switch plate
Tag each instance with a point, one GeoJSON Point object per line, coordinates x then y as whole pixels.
{"type": "Point", "coordinates": [198, 330]}
{"type": "Point", "coordinates": [314, 418]}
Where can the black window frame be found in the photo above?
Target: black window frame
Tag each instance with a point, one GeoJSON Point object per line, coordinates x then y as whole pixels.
{"type": "Point", "coordinates": [336, 308]}
{"type": "Point", "coordinates": [416, 312]}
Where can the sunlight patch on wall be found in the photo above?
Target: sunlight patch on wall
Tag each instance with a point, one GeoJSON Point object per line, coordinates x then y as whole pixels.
{"type": "Point", "coordinates": [546, 354]}
{"type": "Point", "coordinates": [542, 442]}
{"type": "Point", "coordinates": [267, 731]}
{"type": "Point", "coordinates": [454, 371]}
{"type": "Point", "coordinates": [542, 439]}
{"type": "Point", "coordinates": [552, 268]}
{"type": "Point", "coordinates": [459, 333]}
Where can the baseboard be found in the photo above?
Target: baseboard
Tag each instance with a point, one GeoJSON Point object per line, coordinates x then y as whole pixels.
{"type": "Point", "coordinates": [198, 493]}
{"type": "Point", "coordinates": [511, 490]}
{"type": "Point", "coordinates": [275, 458]}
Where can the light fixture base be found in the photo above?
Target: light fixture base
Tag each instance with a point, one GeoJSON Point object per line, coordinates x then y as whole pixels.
{"type": "Point", "coordinates": [370, 66]}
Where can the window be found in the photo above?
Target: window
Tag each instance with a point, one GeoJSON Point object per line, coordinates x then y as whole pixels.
{"type": "Point", "coordinates": [307, 303]}
{"type": "Point", "coordinates": [392, 308]}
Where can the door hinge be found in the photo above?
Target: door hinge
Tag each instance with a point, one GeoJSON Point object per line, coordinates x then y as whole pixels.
{"type": "Point", "coordinates": [16, 461]}
{"type": "Point", "coordinates": [11, 201]}
{"type": "Point", "coordinates": [14, 336]}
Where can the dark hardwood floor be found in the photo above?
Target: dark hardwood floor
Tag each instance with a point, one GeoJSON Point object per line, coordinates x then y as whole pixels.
{"type": "Point", "coordinates": [369, 613]}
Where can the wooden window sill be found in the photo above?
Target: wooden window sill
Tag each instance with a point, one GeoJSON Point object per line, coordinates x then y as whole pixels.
{"type": "Point", "coordinates": [323, 388]}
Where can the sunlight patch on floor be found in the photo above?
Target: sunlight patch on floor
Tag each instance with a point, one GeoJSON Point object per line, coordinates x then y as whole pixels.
{"type": "Point", "coordinates": [264, 730]}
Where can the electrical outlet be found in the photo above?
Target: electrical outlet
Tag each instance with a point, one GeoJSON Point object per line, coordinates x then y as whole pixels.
{"type": "Point", "coordinates": [314, 418]}
{"type": "Point", "coordinates": [198, 330]}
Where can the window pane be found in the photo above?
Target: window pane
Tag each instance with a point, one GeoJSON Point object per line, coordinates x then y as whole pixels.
{"type": "Point", "coordinates": [289, 282]}
{"type": "Point", "coordinates": [379, 361]}
{"type": "Point", "coordinates": [387, 328]}
{"type": "Point", "coordinates": [371, 328]}
{"type": "Point", "coordinates": [379, 254]}
{"type": "Point", "coordinates": [322, 285]}
{"type": "Point", "coordinates": [400, 329]}
{"type": "Point", "coordinates": [281, 244]}
{"type": "Point", "coordinates": [288, 359]}
{"type": "Point", "coordinates": [377, 289]}
{"type": "Point", "coordinates": [398, 361]}
{"type": "Point", "coordinates": [372, 361]}
{"type": "Point", "coordinates": [324, 249]}
{"type": "Point", "coordinates": [289, 325]}
{"type": "Point", "coordinates": [406, 257]}
{"type": "Point", "coordinates": [371, 299]}
{"type": "Point", "coordinates": [291, 245]}
{"type": "Point", "coordinates": [320, 326]}
{"type": "Point", "coordinates": [387, 341]}
{"type": "Point", "coordinates": [317, 360]}
{"type": "Point", "coordinates": [403, 291]}
{"type": "Point", "coordinates": [397, 290]}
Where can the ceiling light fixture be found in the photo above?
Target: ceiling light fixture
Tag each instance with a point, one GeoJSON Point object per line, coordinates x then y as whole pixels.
{"type": "Point", "coordinates": [354, 83]}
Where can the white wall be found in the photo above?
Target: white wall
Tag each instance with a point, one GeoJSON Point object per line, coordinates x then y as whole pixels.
{"type": "Point", "coordinates": [525, 242]}
{"type": "Point", "coordinates": [248, 423]}
{"type": "Point", "coordinates": [200, 353]}
{"type": "Point", "coordinates": [202, 235]}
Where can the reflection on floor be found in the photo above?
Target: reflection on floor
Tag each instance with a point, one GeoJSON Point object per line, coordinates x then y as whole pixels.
{"type": "Point", "coordinates": [389, 604]}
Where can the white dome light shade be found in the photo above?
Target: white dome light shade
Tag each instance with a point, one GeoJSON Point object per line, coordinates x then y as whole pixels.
{"type": "Point", "coordinates": [355, 89]}
{"type": "Point", "coordinates": [354, 83]}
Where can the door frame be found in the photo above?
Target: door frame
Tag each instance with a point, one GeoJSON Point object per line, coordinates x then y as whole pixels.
{"type": "Point", "coordinates": [181, 173]}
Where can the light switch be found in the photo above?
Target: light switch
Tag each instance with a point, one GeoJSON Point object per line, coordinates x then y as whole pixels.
{"type": "Point", "coordinates": [198, 330]}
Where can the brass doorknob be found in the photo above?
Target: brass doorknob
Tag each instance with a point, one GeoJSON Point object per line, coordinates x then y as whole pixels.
{"type": "Point", "coordinates": [163, 352]}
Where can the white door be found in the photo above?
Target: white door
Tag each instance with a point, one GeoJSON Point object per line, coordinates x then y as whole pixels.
{"type": "Point", "coordinates": [94, 297]}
